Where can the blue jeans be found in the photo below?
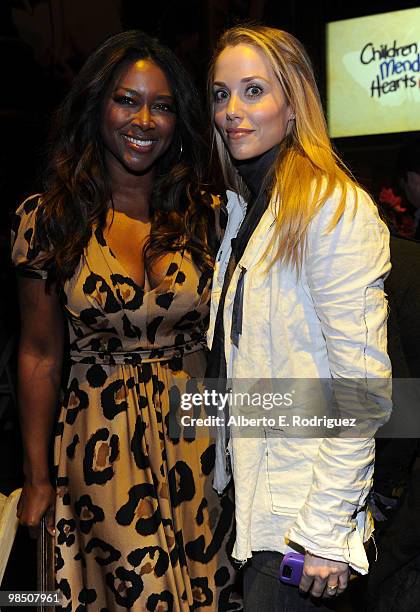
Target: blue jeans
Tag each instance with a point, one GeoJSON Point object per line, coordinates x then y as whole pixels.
{"type": "Point", "coordinates": [263, 591]}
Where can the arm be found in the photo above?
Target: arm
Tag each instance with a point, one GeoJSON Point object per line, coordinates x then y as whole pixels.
{"type": "Point", "coordinates": [345, 271]}
{"type": "Point", "coordinates": [39, 375]}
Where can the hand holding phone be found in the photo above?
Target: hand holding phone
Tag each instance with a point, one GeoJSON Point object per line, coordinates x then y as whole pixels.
{"type": "Point", "coordinates": [291, 568]}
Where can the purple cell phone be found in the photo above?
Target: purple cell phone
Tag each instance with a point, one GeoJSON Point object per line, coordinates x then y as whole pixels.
{"type": "Point", "coordinates": [291, 568]}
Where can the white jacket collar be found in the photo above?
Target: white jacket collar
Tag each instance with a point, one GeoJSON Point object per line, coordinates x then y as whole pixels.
{"type": "Point", "coordinates": [235, 202]}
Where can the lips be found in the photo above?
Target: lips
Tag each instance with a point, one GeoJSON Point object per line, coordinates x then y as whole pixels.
{"type": "Point", "coordinates": [139, 144]}
{"type": "Point", "coordinates": [238, 134]}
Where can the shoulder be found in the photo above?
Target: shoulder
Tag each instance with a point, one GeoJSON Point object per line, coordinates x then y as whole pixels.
{"type": "Point", "coordinates": [218, 203]}
{"type": "Point", "coordinates": [27, 254]}
{"type": "Point", "coordinates": [26, 214]}
{"type": "Point", "coordinates": [212, 200]}
{"type": "Point", "coordinates": [348, 209]}
{"type": "Point", "coordinates": [31, 204]}
{"type": "Point", "coordinates": [347, 233]}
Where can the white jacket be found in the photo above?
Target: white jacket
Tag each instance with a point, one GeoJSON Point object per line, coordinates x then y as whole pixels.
{"type": "Point", "coordinates": [329, 322]}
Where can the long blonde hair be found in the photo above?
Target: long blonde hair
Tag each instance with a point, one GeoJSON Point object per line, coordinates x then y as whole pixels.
{"type": "Point", "coordinates": [307, 169]}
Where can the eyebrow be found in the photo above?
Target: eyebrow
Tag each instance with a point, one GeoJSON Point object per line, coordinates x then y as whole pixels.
{"type": "Point", "coordinates": [137, 93]}
{"type": "Point", "coordinates": [245, 79]}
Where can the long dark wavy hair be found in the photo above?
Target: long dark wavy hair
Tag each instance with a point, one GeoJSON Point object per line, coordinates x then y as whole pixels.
{"type": "Point", "coordinates": [77, 190]}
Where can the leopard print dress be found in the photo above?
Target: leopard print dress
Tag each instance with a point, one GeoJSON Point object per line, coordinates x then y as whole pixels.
{"type": "Point", "coordinates": [138, 525]}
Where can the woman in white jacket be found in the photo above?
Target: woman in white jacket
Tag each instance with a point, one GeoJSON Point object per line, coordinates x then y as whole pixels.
{"type": "Point", "coordinates": [297, 294]}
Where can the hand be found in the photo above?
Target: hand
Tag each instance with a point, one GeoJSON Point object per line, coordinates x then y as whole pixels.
{"type": "Point", "coordinates": [37, 500]}
{"type": "Point", "coordinates": [323, 577]}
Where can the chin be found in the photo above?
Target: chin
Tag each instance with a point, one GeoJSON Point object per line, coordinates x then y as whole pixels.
{"type": "Point", "coordinates": [243, 155]}
{"type": "Point", "coordinates": [138, 166]}
{"type": "Point", "coordinates": [247, 150]}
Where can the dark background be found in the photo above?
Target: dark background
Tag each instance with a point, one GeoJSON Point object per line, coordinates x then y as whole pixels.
{"type": "Point", "coordinates": [43, 43]}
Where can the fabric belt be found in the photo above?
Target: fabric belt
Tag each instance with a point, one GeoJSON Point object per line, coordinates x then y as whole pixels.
{"type": "Point", "coordinates": [135, 357]}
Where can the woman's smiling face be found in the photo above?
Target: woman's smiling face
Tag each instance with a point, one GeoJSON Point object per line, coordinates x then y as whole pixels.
{"type": "Point", "coordinates": [138, 117]}
{"type": "Point", "coordinates": [251, 112]}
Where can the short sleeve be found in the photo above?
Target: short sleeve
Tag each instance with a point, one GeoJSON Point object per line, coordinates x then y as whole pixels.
{"type": "Point", "coordinates": [27, 255]}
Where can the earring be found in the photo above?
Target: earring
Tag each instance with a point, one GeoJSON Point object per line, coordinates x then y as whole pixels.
{"type": "Point", "coordinates": [180, 151]}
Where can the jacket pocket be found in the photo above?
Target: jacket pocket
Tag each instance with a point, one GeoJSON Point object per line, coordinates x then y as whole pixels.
{"type": "Point", "coordinates": [289, 464]}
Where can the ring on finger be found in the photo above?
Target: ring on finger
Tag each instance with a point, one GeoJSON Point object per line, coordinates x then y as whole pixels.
{"type": "Point", "coordinates": [332, 587]}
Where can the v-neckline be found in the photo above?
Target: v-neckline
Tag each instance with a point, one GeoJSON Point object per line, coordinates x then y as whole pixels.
{"type": "Point", "coordinates": [125, 272]}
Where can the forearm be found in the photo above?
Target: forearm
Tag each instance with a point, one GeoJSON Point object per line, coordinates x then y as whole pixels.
{"type": "Point", "coordinates": [39, 378]}
{"type": "Point", "coordinates": [326, 525]}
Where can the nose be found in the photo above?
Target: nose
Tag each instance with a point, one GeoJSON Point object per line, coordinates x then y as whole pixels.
{"type": "Point", "coordinates": [143, 118]}
{"type": "Point", "coordinates": [233, 107]}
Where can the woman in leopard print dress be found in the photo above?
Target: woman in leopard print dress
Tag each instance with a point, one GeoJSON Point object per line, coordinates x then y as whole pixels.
{"type": "Point", "coordinates": [120, 246]}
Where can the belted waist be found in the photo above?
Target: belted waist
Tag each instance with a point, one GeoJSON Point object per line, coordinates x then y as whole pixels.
{"type": "Point", "coordinates": [135, 357]}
